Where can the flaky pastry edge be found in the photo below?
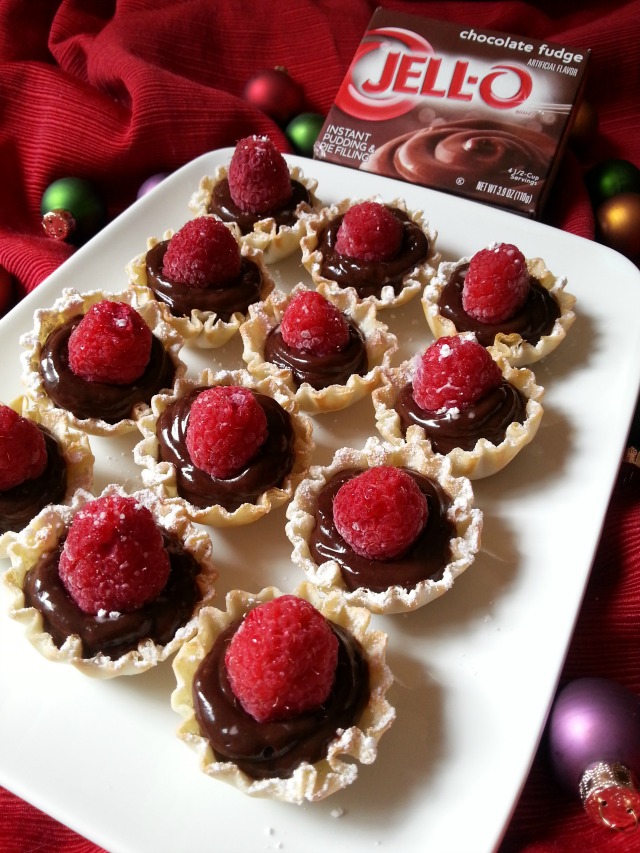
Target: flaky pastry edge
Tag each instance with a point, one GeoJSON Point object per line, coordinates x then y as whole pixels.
{"type": "Point", "coordinates": [309, 782]}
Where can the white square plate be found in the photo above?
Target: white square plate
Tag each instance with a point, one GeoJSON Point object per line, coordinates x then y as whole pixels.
{"type": "Point", "coordinates": [475, 670]}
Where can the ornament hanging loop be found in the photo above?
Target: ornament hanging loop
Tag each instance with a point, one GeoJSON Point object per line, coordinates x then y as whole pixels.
{"type": "Point", "coordinates": [610, 796]}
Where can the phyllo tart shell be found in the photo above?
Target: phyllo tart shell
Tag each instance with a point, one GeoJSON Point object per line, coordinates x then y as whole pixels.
{"type": "Point", "coordinates": [511, 346]}
{"type": "Point", "coordinates": [73, 446]}
{"type": "Point", "coordinates": [414, 279]}
{"type": "Point", "coordinates": [461, 514]}
{"type": "Point", "coordinates": [276, 243]}
{"type": "Point", "coordinates": [162, 475]}
{"type": "Point", "coordinates": [46, 533]}
{"type": "Point", "coordinates": [309, 782]}
{"type": "Point", "coordinates": [486, 458]}
{"type": "Point", "coordinates": [379, 342]}
{"type": "Point", "coordinates": [202, 328]}
{"type": "Point", "coordinates": [70, 305]}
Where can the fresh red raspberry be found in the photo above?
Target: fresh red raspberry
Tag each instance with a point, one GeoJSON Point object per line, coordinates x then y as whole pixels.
{"type": "Point", "coordinates": [113, 558]}
{"type": "Point", "coordinates": [203, 253]}
{"type": "Point", "coordinates": [380, 513]}
{"type": "Point", "coordinates": [282, 659]}
{"type": "Point", "coordinates": [226, 428]}
{"type": "Point", "coordinates": [312, 323]}
{"type": "Point", "coordinates": [369, 232]}
{"type": "Point", "coordinates": [454, 372]}
{"type": "Point", "coordinates": [259, 179]}
{"type": "Point", "coordinates": [111, 344]}
{"type": "Point", "coordinates": [496, 284]}
{"type": "Point", "coordinates": [23, 453]}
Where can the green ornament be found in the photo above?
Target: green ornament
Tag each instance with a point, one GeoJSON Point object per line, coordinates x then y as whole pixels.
{"type": "Point", "coordinates": [302, 132]}
{"type": "Point", "coordinates": [72, 209]}
{"type": "Point", "coordinates": [610, 178]}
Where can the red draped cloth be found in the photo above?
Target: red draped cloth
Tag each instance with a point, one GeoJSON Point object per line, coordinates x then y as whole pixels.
{"type": "Point", "coordinates": [116, 92]}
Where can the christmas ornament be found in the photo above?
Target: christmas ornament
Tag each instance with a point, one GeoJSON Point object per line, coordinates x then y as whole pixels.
{"type": "Point", "coordinates": [618, 221]}
{"type": "Point", "coordinates": [594, 740]}
{"type": "Point", "coordinates": [275, 93]}
{"type": "Point", "coordinates": [7, 290]}
{"type": "Point", "coordinates": [151, 183]}
{"type": "Point", "coordinates": [585, 127]}
{"type": "Point", "coordinates": [610, 178]}
{"type": "Point", "coordinates": [72, 209]}
{"type": "Point", "coordinates": [302, 132]}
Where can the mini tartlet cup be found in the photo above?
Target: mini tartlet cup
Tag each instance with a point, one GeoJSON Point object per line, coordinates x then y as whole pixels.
{"type": "Point", "coordinates": [486, 458]}
{"type": "Point", "coordinates": [276, 243]}
{"type": "Point", "coordinates": [46, 532]}
{"type": "Point", "coordinates": [414, 281]}
{"type": "Point", "coordinates": [416, 456]}
{"type": "Point", "coordinates": [381, 345]}
{"type": "Point", "coordinates": [512, 347]}
{"type": "Point", "coordinates": [309, 782]}
{"type": "Point", "coordinates": [72, 304]}
{"type": "Point", "coordinates": [74, 446]}
{"type": "Point", "coordinates": [201, 328]}
{"type": "Point", "coordinates": [160, 475]}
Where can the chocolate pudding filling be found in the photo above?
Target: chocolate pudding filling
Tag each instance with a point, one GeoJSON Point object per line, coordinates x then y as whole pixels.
{"type": "Point", "coordinates": [223, 206]}
{"type": "Point", "coordinates": [101, 400]}
{"type": "Point", "coordinates": [426, 559]}
{"type": "Point", "coordinates": [275, 749]}
{"type": "Point", "coordinates": [533, 320]}
{"type": "Point", "coordinates": [23, 502]}
{"type": "Point", "coordinates": [319, 371]}
{"type": "Point", "coordinates": [223, 300]}
{"type": "Point", "coordinates": [446, 429]}
{"type": "Point", "coordinates": [267, 469]}
{"type": "Point", "coordinates": [114, 634]}
{"type": "Point", "coordinates": [369, 277]}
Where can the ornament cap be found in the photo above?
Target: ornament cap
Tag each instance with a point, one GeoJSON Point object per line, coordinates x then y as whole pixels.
{"type": "Point", "coordinates": [610, 796]}
{"type": "Point", "coordinates": [59, 224]}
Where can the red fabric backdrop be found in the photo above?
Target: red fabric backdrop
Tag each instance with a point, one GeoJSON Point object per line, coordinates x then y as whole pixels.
{"type": "Point", "coordinates": [116, 92]}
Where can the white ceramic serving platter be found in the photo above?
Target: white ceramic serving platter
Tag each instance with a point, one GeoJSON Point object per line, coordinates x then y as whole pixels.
{"type": "Point", "coordinates": [475, 670]}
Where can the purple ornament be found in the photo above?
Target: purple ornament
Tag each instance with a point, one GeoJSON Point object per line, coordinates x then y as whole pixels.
{"type": "Point", "coordinates": [151, 183]}
{"type": "Point", "coordinates": [594, 740]}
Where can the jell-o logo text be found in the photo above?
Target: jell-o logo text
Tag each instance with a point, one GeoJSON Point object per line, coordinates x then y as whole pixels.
{"type": "Point", "coordinates": [393, 67]}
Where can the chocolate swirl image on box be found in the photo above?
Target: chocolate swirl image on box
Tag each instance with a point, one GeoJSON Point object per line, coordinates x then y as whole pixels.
{"type": "Point", "coordinates": [475, 150]}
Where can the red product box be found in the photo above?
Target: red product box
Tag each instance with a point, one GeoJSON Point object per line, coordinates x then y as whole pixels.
{"type": "Point", "coordinates": [464, 110]}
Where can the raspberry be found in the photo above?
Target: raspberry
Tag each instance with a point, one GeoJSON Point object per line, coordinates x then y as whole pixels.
{"type": "Point", "coordinates": [259, 179]}
{"type": "Point", "coordinates": [310, 322]}
{"type": "Point", "coordinates": [454, 372]}
{"type": "Point", "coordinates": [282, 659]}
{"type": "Point", "coordinates": [226, 428]}
{"type": "Point", "coordinates": [23, 453]}
{"type": "Point", "coordinates": [370, 232]}
{"type": "Point", "coordinates": [111, 344]}
{"type": "Point", "coordinates": [203, 253]}
{"type": "Point", "coordinates": [114, 558]}
{"type": "Point", "coordinates": [380, 513]}
{"type": "Point", "coordinates": [496, 284]}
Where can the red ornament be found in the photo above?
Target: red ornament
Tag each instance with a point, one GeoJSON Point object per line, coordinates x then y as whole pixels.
{"type": "Point", "coordinates": [275, 93]}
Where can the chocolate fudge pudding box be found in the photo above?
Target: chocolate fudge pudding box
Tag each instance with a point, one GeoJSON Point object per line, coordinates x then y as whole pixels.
{"type": "Point", "coordinates": [469, 111]}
